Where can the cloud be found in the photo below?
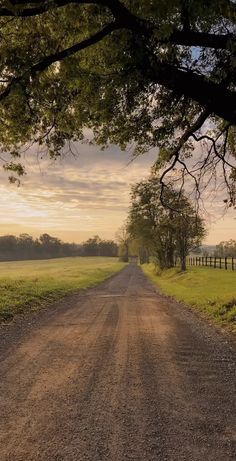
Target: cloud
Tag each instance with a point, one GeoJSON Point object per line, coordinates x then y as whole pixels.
{"type": "Point", "coordinates": [75, 197]}
{"type": "Point", "coordinates": [83, 195]}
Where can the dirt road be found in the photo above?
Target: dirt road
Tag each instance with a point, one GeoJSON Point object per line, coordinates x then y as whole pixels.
{"type": "Point", "coordinates": [117, 373]}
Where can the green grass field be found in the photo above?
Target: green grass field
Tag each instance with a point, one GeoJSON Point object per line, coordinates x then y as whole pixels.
{"type": "Point", "coordinates": [212, 291]}
{"type": "Point", "coordinates": [28, 285]}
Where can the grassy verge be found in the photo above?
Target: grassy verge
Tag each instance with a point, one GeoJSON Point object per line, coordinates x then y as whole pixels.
{"type": "Point", "coordinates": [28, 285]}
{"type": "Point", "coordinates": [211, 291]}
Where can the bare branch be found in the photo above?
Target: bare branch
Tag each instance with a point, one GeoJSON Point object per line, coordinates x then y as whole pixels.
{"type": "Point", "coordinates": [189, 132]}
{"type": "Point", "coordinates": [206, 168]}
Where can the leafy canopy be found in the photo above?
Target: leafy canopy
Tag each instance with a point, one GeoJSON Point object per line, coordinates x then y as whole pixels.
{"type": "Point", "coordinates": [166, 232]}
{"type": "Point", "coordinates": [151, 73]}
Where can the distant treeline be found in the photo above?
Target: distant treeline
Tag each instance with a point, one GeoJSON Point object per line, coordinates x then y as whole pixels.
{"type": "Point", "coordinates": [46, 246]}
{"type": "Point", "coordinates": [98, 247]}
{"type": "Point", "coordinates": [221, 250]}
{"type": "Point", "coordinates": [226, 249]}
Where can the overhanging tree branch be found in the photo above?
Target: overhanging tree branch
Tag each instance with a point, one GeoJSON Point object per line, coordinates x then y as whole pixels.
{"type": "Point", "coordinates": [53, 58]}
{"type": "Point", "coordinates": [201, 39]}
{"type": "Point", "coordinates": [190, 131]}
{"type": "Point", "coordinates": [203, 169]}
{"type": "Point", "coordinates": [215, 93]}
{"type": "Point", "coordinates": [229, 11]}
{"type": "Point", "coordinates": [184, 37]}
{"type": "Point", "coordinates": [23, 8]}
{"type": "Point", "coordinates": [213, 96]}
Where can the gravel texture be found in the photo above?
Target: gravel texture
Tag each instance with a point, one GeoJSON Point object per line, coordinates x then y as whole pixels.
{"type": "Point", "coordinates": [117, 373]}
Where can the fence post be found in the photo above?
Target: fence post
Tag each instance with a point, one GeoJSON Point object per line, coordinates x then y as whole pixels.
{"type": "Point", "coordinates": [232, 264]}
{"type": "Point", "coordinates": [215, 262]}
{"type": "Point", "coordinates": [210, 260]}
{"type": "Point", "coordinates": [226, 265]}
{"type": "Point", "coordinates": [220, 263]}
{"type": "Point", "coordinates": [206, 261]}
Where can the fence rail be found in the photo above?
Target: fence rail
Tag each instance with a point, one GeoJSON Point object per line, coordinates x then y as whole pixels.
{"type": "Point", "coordinates": [211, 261]}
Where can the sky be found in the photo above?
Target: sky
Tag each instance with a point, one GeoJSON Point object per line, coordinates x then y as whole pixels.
{"type": "Point", "coordinates": [78, 197]}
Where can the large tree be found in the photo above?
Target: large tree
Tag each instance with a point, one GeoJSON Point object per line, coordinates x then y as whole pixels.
{"type": "Point", "coordinates": [167, 232]}
{"type": "Point", "coordinates": [156, 74]}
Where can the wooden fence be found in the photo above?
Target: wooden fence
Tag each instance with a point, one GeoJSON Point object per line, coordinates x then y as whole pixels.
{"type": "Point", "coordinates": [212, 261]}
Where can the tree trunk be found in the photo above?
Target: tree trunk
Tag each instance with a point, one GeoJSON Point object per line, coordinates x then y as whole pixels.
{"type": "Point", "coordinates": [183, 263]}
{"type": "Point", "coordinates": [126, 257]}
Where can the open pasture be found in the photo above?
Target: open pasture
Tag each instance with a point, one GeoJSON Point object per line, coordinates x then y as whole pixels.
{"type": "Point", "coordinates": [33, 284]}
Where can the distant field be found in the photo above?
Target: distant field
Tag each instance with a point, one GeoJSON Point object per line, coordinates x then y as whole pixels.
{"type": "Point", "coordinates": [212, 291]}
{"type": "Point", "coordinates": [33, 284]}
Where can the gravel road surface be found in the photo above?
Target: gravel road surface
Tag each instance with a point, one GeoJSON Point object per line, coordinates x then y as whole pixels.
{"type": "Point", "coordinates": [116, 373]}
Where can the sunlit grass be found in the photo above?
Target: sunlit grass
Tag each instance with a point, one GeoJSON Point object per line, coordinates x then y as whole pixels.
{"type": "Point", "coordinates": [212, 291]}
{"type": "Point", "coordinates": [33, 284]}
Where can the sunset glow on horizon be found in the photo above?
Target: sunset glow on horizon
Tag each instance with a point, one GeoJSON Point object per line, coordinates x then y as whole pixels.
{"type": "Point", "coordinates": [76, 198]}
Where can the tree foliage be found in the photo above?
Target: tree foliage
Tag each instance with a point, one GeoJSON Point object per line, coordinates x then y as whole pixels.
{"type": "Point", "coordinates": [226, 249]}
{"type": "Point", "coordinates": [95, 246]}
{"type": "Point", "coordinates": [47, 246]}
{"type": "Point", "coordinates": [26, 247]}
{"type": "Point", "coordinates": [124, 241]}
{"type": "Point", "coordinates": [158, 74]}
{"type": "Point", "coordinates": [166, 232]}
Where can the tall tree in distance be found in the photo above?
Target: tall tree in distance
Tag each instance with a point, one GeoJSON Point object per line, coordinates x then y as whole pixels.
{"type": "Point", "coordinates": [168, 232]}
{"type": "Point", "coordinates": [123, 239]}
{"type": "Point", "coordinates": [151, 222]}
{"type": "Point", "coordinates": [155, 74]}
{"type": "Point", "coordinates": [189, 230]}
